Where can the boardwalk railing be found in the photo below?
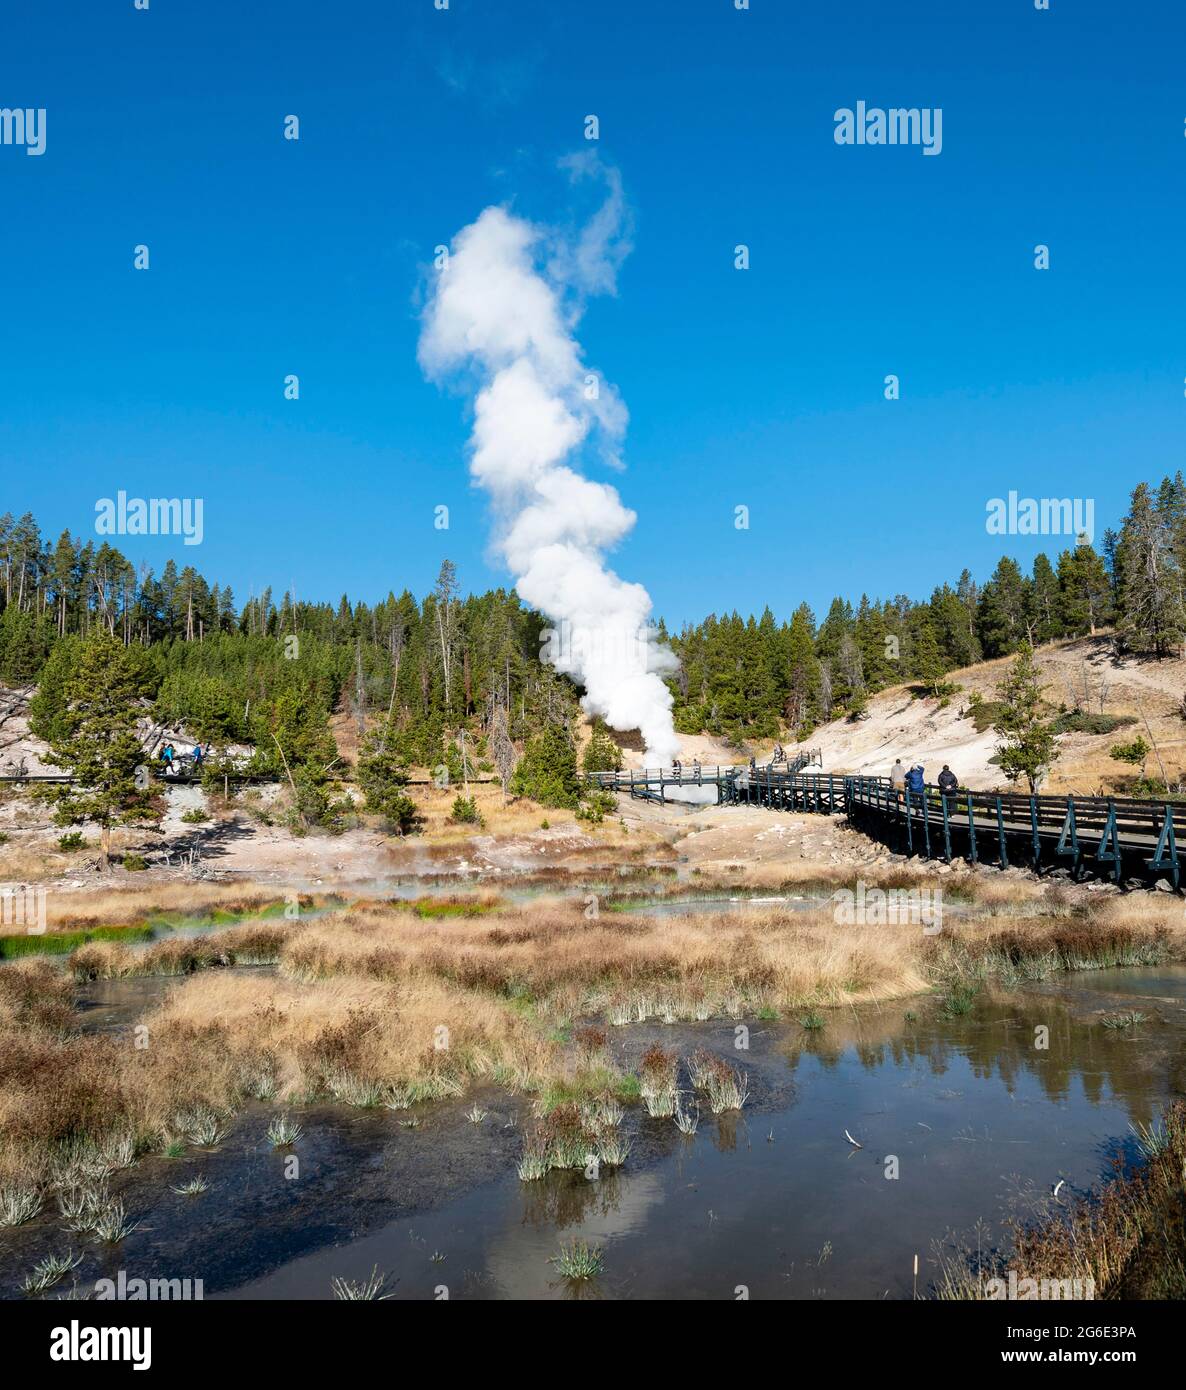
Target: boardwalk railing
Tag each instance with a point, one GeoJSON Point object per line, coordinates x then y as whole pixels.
{"type": "Point", "coordinates": [1113, 837]}
{"type": "Point", "coordinates": [651, 783]}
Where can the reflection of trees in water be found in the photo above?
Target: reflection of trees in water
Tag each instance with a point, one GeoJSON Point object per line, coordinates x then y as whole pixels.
{"type": "Point", "coordinates": [997, 1039]}
{"type": "Point", "coordinates": [565, 1199]}
{"type": "Point", "coordinates": [729, 1124]}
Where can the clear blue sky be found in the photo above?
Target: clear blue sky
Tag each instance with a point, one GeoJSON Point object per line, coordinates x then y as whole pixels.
{"type": "Point", "coordinates": [761, 388]}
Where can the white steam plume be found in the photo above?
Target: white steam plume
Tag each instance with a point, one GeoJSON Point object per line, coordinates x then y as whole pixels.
{"type": "Point", "coordinates": [507, 303]}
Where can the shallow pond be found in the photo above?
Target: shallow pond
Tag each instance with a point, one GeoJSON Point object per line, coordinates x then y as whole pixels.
{"type": "Point", "coordinates": [978, 1122]}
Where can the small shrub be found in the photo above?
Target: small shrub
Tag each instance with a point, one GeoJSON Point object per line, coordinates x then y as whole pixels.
{"type": "Point", "coordinates": [465, 811]}
{"type": "Point", "coordinates": [135, 863]}
{"type": "Point", "coordinates": [71, 841]}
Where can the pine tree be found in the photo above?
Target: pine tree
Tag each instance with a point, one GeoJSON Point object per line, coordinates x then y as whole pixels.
{"type": "Point", "coordinates": [547, 772]}
{"type": "Point", "coordinates": [1151, 603]}
{"type": "Point", "coordinates": [927, 660]}
{"type": "Point", "coordinates": [1086, 594]}
{"type": "Point", "coordinates": [95, 741]}
{"type": "Point", "coordinates": [383, 774]}
{"type": "Point", "coordinates": [1028, 748]}
{"type": "Point", "coordinates": [1003, 614]}
{"type": "Point", "coordinates": [602, 754]}
{"type": "Point", "coordinates": [1046, 602]}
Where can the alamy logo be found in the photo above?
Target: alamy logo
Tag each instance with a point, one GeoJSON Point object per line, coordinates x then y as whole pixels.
{"type": "Point", "coordinates": [900, 125]}
{"type": "Point", "coordinates": [154, 516]}
{"type": "Point", "coordinates": [1041, 516]}
{"type": "Point", "coordinates": [23, 126]}
{"type": "Point", "coordinates": [1062, 1290]}
{"type": "Point", "coordinates": [22, 906]}
{"type": "Point", "coordinates": [879, 907]}
{"type": "Point", "coordinates": [151, 1290]}
{"type": "Point", "coordinates": [575, 647]}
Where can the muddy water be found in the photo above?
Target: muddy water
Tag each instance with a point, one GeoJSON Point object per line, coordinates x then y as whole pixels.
{"type": "Point", "coordinates": [977, 1121]}
{"type": "Point", "coordinates": [112, 1006]}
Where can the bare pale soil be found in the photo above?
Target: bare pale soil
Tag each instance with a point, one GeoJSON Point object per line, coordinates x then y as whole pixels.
{"type": "Point", "coordinates": [927, 730]}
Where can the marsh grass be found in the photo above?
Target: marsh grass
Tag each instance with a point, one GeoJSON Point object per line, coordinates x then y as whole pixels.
{"type": "Point", "coordinates": [578, 1259]}
{"type": "Point", "coordinates": [94, 1211]}
{"type": "Point", "coordinates": [1129, 1018]}
{"type": "Point", "coordinates": [19, 1203]}
{"type": "Point", "coordinates": [958, 1001]}
{"type": "Point", "coordinates": [658, 1072]}
{"type": "Point", "coordinates": [372, 1288]}
{"type": "Point", "coordinates": [193, 1187]}
{"type": "Point", "coordinates": [725, 1087]}
{"type": "Point", "coordinates": [202, 1126]}
{"type": "Point", "coordinates": [283, 1132]}
{"type": "Point", "coordinates": [1127, 1235]}
{"type": "Point", "coordinates": [50, 1271]}
{"type": "Point", "coordinates": [570, 1136]}
{"type": "Point", "coordinates": [687, 1118]}
{"type": "Point", "coordinates": [523, 997]}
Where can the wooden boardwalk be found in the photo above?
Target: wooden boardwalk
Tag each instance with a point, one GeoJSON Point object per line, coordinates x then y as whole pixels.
{"type": "Point", "coordinates": [1114, 837]}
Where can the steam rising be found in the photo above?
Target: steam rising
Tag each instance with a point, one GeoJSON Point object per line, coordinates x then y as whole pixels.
{"type": "Point", "coordinates": [507, 305]}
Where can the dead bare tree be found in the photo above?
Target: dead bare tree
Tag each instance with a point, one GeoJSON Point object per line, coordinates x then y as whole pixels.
{"type": "Point", "coordinates": [502, 749]}
{"type": "Point", "coordinates": [13, 705]}
{"type": "Point", "coordinates": [1165, 781]}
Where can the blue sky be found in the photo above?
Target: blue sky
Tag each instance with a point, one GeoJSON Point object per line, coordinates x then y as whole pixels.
{"type": "Point", "coordinates": [760, 388]}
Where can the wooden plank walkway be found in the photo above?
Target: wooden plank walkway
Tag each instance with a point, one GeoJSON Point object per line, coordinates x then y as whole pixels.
{"type": "Point", "coordinates": [1114, 837]}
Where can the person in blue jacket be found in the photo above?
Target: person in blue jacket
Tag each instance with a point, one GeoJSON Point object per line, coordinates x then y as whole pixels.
{"type": "Point", "coordinates": [914, 779]}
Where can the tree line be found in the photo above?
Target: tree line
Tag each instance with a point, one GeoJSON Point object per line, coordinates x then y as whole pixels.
{"type": "Point", "coordinates": [754, 677]}
{"type": "Point", "coordinates": [271, 671]}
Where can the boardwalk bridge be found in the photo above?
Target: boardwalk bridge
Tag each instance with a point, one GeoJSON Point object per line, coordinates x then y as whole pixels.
{"type": "Point", "coordinates": [1114, 837]}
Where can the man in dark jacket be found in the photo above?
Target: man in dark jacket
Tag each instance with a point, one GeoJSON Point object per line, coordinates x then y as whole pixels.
{"type": "Point", "coordinates": [948, 781]}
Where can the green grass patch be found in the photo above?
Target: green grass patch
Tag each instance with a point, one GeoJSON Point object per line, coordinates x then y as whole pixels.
{"type": "Point", "coordinates": [432, 908]}
{"type": "Point", "coordinates": [590, 1084]}
{"type": "Point", "coordinates": [62, 943]}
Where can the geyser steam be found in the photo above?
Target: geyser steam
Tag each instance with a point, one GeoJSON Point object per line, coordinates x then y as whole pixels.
{"type": "Point", "coordinates": [507, 303]}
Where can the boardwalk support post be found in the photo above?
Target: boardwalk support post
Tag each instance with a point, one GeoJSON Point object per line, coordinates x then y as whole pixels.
{"type": "Point", "coordinates": [1166, 852]}
{"type": "Point", "coordinates": [1109, 846]}
{"type": "Point", "coordinates": [1068, 842]}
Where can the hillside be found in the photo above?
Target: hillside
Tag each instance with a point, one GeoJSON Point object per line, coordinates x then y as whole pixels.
{"type": "Point", "coordinates": [1079, 670]}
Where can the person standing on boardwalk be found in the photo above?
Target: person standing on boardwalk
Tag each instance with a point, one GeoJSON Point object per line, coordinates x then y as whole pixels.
{"type": "Point", "coordinates": [897, 777]}
{"type": "Point", "coordinates": [947, 780]}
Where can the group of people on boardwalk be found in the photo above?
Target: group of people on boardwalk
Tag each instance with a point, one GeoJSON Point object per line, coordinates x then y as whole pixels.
{"type": "Point", "coordinates": [914, 780]}
{"type": "Point", "coordinates": [173, 763]}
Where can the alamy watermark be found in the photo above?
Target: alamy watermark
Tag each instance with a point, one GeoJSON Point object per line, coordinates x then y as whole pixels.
{"type": "Point", "coordinates": [148, 1290]}
{"type": "Point", "coordinates": [576, 647]}
{"type": "Point", "coordinates": [24, 907]}
{"type": "Point", "coordinates": [1041, 516]}
{"type": "Point", "coordinates": [900, 125]}
{"type": "Point", "coordinates": [23, 126]}
{"type": "Point", "coordinates": [1062, 1290]}
{"type": "Point", "coordinates": [880, 907]}
{"type": "Point", "coordinates": [153, 516]}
